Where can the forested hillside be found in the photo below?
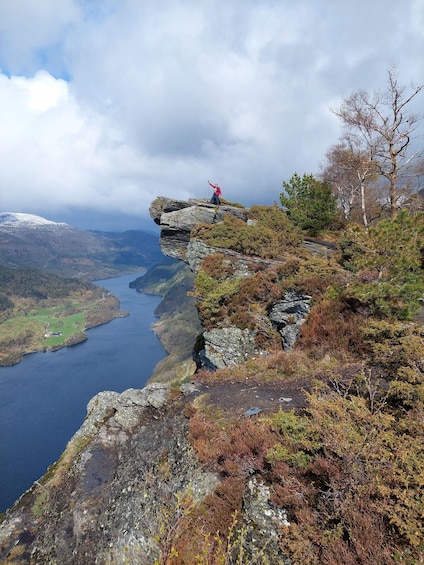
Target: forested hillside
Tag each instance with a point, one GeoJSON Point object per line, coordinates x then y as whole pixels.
{"type": "Point", "coordinates": [178, 325]}
{"type": "Point", "coordinates": [31, 241]}
{"type": "Point", "coordinates": [39, 311]}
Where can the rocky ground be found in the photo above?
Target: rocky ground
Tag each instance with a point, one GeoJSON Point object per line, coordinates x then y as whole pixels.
{"type": "Point", "coordinates": [239, 398]}
{"type": "Point", "coordinates": [108, 497]}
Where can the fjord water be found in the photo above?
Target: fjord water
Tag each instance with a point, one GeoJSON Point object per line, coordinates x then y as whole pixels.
{"type": "Point", "coordinates": [43, 399]}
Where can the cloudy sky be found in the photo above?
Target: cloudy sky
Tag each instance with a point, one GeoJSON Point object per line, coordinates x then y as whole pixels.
{"type": "Point", "coordinates": [105, 104]}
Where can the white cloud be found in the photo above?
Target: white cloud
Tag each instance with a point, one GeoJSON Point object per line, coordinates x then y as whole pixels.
{"type": "Point", "coordinates": [28, 29]}
{"type": "Point", "coordinates": [41, 93]}
{"type": "Point", "coordinates": [159, 98]}
{"type": "Point", "coordinates": [51, 150]}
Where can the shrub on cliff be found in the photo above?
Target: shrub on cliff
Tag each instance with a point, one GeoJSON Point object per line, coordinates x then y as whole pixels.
{"type": "Point", "coordinates": [347, 471]}
{"type": "Point", "coordinates": [349, 474]}
{"type": "Point", "coordinates": [310, 203]}
{"type": "Point", "coordinates": [388, 264]}
{"type": "Point", "coordinates": [269, 235]}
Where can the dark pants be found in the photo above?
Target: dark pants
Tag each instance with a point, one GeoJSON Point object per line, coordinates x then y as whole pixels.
{"type": "Point", "coordinates": [215, 200]}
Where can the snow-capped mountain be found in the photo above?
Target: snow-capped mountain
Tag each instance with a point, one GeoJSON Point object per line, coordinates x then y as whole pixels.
{"type": "Point", "coordinates": [17, 218]}
{"type": "Point", "coordinates": [27, 240]}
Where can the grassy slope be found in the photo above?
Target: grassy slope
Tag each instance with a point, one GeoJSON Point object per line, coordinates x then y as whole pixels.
{"type": "Point", "coordinates": [37, 305]}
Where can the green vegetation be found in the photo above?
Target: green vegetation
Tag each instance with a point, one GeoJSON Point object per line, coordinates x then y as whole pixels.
{"type": "Point", "coordinates": [226, 295]}
{"type": "Point", "coordinates": [310, 203]}
{"type": "Point", "coordinates": [160, 278]}
{"type": "Point", "coordinates": [348, 470]}
{"type": "Point", "coordinates": [269, 234]}
{"type": "Point", "coordinates": [388, 264]}
{"type": "Point", "coordinates": [42, 311]}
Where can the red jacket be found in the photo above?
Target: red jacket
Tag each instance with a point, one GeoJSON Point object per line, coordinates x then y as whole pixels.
{"type": "Point", "coordinates": [217, 189]}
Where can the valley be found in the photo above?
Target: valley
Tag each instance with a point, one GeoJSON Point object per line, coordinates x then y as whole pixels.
{"type": "Point", "coordinates": [35, 324]}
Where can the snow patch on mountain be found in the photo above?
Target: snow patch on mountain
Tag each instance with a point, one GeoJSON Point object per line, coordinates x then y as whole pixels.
{"type": "Point", "coordinates": [17, 219]}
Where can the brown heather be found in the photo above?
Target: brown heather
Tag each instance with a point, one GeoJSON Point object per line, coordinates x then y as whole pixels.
{"type": "Point", "coordinates": [348, 469]}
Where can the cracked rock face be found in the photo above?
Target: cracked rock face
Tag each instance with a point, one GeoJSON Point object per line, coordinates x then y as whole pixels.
{"type": "Point", "coordinates": [227, 347]}
{"type": "Point", "coordinates": [224, 347]}
{"type": "Point", "coordinates": [177, 218]}
{"type": "Point", "coordinates": [288, 316]}
{"type": "Point", "coordinates": [114, 488]}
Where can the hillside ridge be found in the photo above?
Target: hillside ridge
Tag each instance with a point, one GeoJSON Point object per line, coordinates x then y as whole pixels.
{"type": "Point", "coordinates": [27, 240]}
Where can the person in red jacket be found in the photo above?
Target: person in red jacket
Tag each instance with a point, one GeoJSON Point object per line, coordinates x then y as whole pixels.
{"type": "Point", "coordinates": [216, 194]}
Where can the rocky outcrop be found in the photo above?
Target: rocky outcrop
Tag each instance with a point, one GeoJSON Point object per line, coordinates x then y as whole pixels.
{"type": "Point", "coordinates": [288, 316]}
{"type": "Point", "coordinates": [112, 495]}
{"type": "Point", "coordinates": [242, 265]}
{"type": "Point", "coordinates": [177, 218]}
{"type": "Point", "coordinates": [228, 346]}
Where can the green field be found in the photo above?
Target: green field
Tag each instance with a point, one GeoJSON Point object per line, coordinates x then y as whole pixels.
{"type": "Point", "coordinates": [29, 329]}
{"type": "Point", "coordinates": [53, 320]}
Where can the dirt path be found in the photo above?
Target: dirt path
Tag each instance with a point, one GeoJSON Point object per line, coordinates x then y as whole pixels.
{"type": "Point", "coordinates": [239, 397]}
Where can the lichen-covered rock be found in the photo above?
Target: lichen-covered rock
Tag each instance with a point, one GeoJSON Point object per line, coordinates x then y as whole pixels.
{"type": "Point", "coordinates": [113, 494]}
{"type": "Point", "coordinates": [176, 227]}
{"type": "Point", "coordinates": [124, 408]}
{"type": "Point", "coordinates": [161, 205]}
{"type": "Point", "coordinates": [227, 347]}
{"type": "Point", "coordinates": [177, 218]}
{"type": "Point", "coordinates": [264, 523]}
{"type": "Point", "coordinates": [288, 316]}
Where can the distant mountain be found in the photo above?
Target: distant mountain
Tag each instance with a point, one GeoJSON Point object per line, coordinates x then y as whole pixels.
{"type": "Point", "coordinates": [32, 241]}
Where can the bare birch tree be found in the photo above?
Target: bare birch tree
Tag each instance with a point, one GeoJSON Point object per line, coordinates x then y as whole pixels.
{"type": "Point", "coordinates": [384, 129]}
{"type": "Point", "coordinates": [350, 169]}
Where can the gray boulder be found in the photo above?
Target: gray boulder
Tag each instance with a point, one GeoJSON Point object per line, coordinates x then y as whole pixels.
{"type": "Point", "coordinates": [227, 347]}
{"type": "Point", "coordinates": [177, 218]}
{"type": "Point", "coordinates": [288, 316]}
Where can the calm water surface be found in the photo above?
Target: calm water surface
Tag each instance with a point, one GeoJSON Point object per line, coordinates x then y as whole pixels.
{"type": "Point", "coordinates": [43, 399]}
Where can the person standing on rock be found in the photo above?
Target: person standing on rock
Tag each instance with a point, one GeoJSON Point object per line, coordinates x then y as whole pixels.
{"type": "Point", "coordinates": [216, 195]}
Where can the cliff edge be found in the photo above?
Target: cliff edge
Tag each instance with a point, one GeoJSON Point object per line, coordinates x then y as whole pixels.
{"type": "Point", "coordinates": [298, 439]}
{"type": "Point", "coordinates": [118, 492]}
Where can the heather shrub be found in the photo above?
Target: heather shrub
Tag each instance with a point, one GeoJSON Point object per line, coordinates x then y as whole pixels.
{"type": "Point", "coordinates": [245, 301]}
{"type": "Point", "coordinates": [397, 350]}
{"type": "Point", "coordinates": [236, 448]}
{"type": "Point", "coordinates": [241, 300]}
{"type": "Point", "coordinates": [393, 345]}
{"type": "Point", "coordinates": [215, 518]}
{"type": "Point", "coordinates": [296, 440]}
{"type": "Point", "coordinates": [269, 237]}
{"type": "Point", "coordinates": [330, 327]}
{"type": "Point", "coordinates": [388, 263]}
{"type": "Point", "coordinates": [218, 266]}
{"type": "Point", "coordinates": [381, 461]}
{"type": "Point", "coordinates": [214, 297]}
{"type": "Point", "coordinates": [313, 275]}
{"type": "Point", "coordinates": [348, 470]}
{"type": "Point", "coordinates": [349, 479]}
{"type": "Point", "coordinates": [276, 366]}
